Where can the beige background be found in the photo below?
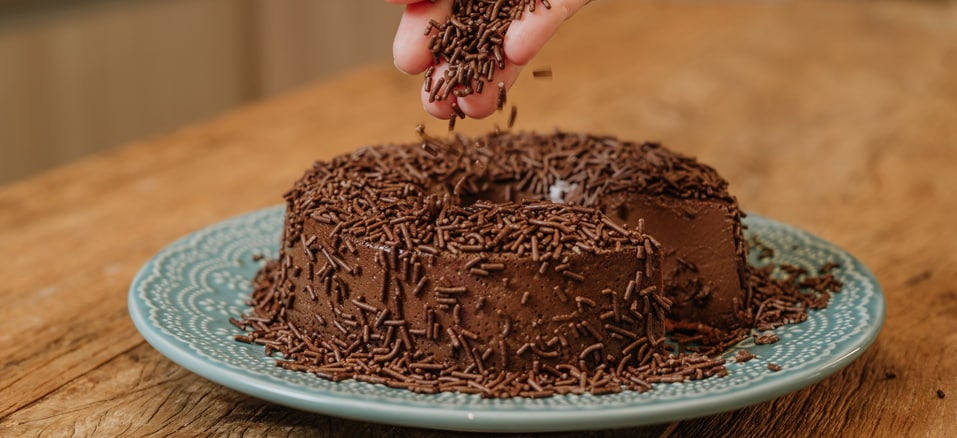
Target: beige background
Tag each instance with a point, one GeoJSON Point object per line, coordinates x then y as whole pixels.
{"type": "Point", "coordinates": [83, 76]}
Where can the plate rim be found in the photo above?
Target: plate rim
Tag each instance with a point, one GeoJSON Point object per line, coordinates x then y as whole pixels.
{"type": "Point", "coordinates": [496, 420]}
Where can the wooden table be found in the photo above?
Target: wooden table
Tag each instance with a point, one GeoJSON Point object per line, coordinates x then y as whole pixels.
{"type": "Point", "coordinates": [840, 118]}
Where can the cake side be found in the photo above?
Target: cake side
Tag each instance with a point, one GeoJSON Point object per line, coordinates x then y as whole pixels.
{"type": "Point", "coordinates": [703, 261]}
{"type": "Point", "coordinates": [510, 308]}
{"type": "Point", "coordinates": [565, 305]}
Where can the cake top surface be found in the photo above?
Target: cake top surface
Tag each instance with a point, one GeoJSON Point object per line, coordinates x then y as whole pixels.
{"type": "Point", "coordinates": [493, 193]}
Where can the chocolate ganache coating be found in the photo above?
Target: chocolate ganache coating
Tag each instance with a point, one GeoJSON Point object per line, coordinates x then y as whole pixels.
{"type": "Point", "coordinates": [504, 253]}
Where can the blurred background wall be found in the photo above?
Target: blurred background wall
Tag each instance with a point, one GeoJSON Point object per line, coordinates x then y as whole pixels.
{"type": "Point", "coordinates": [82, 76]}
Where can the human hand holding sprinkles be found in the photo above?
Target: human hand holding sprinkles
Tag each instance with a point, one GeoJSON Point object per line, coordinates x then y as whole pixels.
{"type": "Point", "coordinates": [473, 51]}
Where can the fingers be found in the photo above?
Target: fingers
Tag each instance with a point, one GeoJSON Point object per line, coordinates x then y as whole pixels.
{"type": "Point", "coordinates": [441, 109]}
{"type": "Point", "coordinates": [523, 41]}
{"type": "Point", "coordinates": [476, 105]}
{"type": "Point", "coordinates": [527, 36]}
{"type": "Point", "coordinates": [410, 49]}
{"type": "Point", "coordinates": [484, 104]}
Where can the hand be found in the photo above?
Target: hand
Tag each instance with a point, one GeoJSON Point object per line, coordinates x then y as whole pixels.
{"type": "Point", "coordinates": [522, 42]}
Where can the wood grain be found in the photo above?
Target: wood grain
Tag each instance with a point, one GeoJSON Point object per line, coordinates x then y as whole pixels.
{"type": "Point", "coordinates": [840, 118]}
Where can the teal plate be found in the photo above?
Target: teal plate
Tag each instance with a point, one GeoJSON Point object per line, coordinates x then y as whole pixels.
{"type": "Point", "coordinates": [182, 298]}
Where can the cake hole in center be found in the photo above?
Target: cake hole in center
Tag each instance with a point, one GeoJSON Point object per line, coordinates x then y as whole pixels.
{"type": "Point", "coordinates": [556, 192]}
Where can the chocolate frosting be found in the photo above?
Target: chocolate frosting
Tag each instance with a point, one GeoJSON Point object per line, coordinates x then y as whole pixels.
{"type": "Point", "coordinates": [705, 263]}
{"type": "Point", "coordinates": [508, 253]}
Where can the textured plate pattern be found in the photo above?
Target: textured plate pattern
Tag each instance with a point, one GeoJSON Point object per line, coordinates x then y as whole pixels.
{"type": "Point", "coordinates": [182, 298]}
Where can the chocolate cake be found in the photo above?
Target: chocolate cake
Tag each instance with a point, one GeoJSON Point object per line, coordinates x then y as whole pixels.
{"type": "Point", "coordinates": [506, 265]}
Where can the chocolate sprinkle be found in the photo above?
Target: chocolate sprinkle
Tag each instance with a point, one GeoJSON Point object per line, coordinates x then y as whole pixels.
{"type": "Point", "coordinates": [743, 356]}
{"type": "Point", "coordinates": [544, 72]}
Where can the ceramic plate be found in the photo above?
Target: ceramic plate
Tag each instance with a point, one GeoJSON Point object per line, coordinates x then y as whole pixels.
{"type": "Point", "coordinates": [182, 298]}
